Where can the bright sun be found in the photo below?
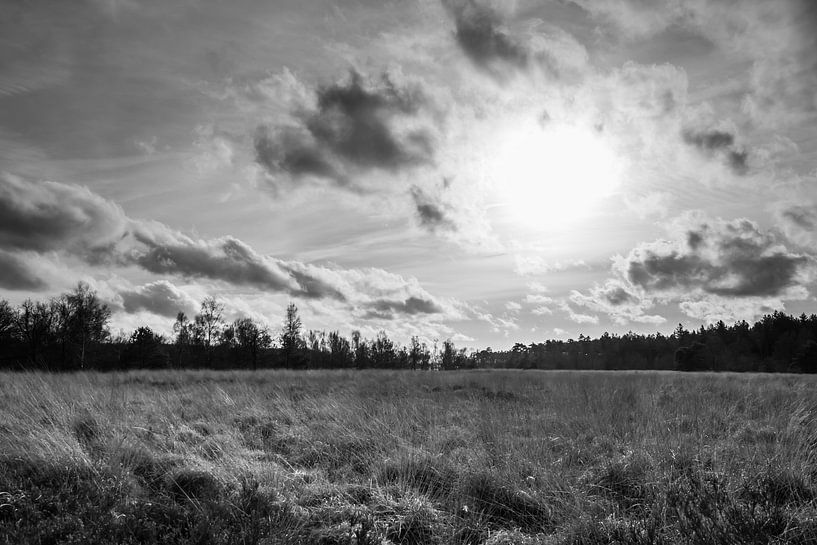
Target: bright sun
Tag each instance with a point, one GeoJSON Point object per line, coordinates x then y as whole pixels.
{"type": "Point", "coordinates": [551, 175]}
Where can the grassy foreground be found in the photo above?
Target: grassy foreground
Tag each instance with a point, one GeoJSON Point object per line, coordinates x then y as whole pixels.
{"type": "Point", "coordinates": [334, 457]}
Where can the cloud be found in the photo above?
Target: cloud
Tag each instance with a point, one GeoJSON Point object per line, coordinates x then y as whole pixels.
{"type": "Point", "coordinates": [541, 311]}
{"type": "Point", "coordinates": [804, 217]}
{"type": "Point", "coordinates": [714, 269]}
{"type": "Point", "coordinates": [619, 301]}
{"type": "Point", "coordinates": [481, 33]}
{"type": "Point", "coordinates": [730, 259]}
{"type": "Point", "coordinates": [480, 36]}
{"type": "Point", "coordinates": [294, 151]}
{"type": "Point", "coordinates": [412, 306]}
{"type": "Point", "coordinates": [513, 306]}
{"type": "Point", "coordinates": [713, 309]}
{"type": "Point", "coordinates": [499, 324]}
{"type": "Point", "coordinates": [576, 317]}
{"type": "Point", "coordinates": [433, 214]}
{"type": "Point", "coordinates": [538, 299]}
{"type": "Point", "coordinates": [45, 216]}
{"type": "Point", "coordinates": [799, 222]}
{"type": "Point", "coordinates": [353, 120]}
{"type": "Point", "coordinates": [163, 251]}
{"type": "Point", "coordinates": [160, 297]}
{"type": "Point", "coordinates": [720, 143]}
{"type": "Point", "coordinates": [17, 274]}
{"type": "Point", "coordinates": [355, 126]}
{"type": "Point", "coordinates": [711, 267]}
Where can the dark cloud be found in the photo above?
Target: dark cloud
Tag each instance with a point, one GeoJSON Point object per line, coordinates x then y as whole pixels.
{"type": "Point", "coordinates": [730, 259]}
{"type": "Point", "coordinates": [804, 217]}
{"type": "Point", "coordinates": [738, 161]}
{"type": "Point", "coordinates": [711, 140]}
{"type": "Point", "coordinates": [718, 143]}
{"type": "Point", "coordinates": [432, 215]}
{"type": "Point", "coordinates": [694, 239]}
{"type": "Point", "coordinates": [353, 120]}
{"type": "Point", "coordinates": [356, 125]}
{"type": "Point", "coordinates": [161, 297]}
{"type": "Point", "coordinates": [386, 309]}
{"type": "Point", "coordinates": [43, 216]}
{"type": "Point", "coordinates": [294, 151]}
{"type": "Point", "coordinates": [227, 259]}
{"type": "Point", "coordinates": [479, 34]}
{"type": "Point", "coordinates": [311, 285]}
{"type": "Point", "coordinates": [16, 274]}
{"type": "Point", "coordinates": [617, 295]}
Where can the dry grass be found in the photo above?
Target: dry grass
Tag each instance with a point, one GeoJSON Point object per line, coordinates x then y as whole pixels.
{"type": "Point", "coordinates": [489, 457]}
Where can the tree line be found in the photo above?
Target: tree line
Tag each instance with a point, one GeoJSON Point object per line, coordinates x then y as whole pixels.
{"type": "Point", "coordinates": [71, 332]}
{"type": "Point", "coordinates": [775, 343]}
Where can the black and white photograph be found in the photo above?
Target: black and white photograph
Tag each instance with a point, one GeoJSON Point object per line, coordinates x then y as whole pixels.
{"type": "Point", "coordinates": [408, 272]}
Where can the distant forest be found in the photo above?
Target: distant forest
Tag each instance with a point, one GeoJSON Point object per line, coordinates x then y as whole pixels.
{"type": "Point", "coordinates": [71, 332]}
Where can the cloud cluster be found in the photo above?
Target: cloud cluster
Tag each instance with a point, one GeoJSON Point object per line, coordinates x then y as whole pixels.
{"type": "Point", "coordinates": [47, 217]}
{"type": "Point", "coordinates": [725, 258]}
{"type": "Point", "coordinates": [712, 268]}
{"type": "Point", "coordinates": [354, 126]}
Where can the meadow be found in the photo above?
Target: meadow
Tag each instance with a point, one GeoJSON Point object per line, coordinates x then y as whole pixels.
{"type": "Point", "coordinates": [378, 457]}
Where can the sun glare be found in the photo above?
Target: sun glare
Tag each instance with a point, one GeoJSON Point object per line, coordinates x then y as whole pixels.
{"type": "Point", "coordinates": [552, 175]}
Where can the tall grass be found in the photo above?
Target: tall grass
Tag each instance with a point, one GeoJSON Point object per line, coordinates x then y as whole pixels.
{"type": "Point", "coordinates": [377, 457]}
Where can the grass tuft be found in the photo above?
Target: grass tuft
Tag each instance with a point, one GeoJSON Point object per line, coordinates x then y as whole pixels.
{"type": "Point", "coordinates": [192, 485]}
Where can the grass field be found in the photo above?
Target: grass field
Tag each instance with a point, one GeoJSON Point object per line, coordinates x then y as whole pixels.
{"type": "Point", "coordinates": [329, 457]}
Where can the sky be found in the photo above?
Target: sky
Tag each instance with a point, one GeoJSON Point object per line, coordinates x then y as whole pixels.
{"type": "Point", "coordinates": [482, 171]}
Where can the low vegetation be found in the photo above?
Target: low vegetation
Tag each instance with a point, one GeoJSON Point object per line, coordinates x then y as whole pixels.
{"type": "Point", "coordinates": [374, 457]}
